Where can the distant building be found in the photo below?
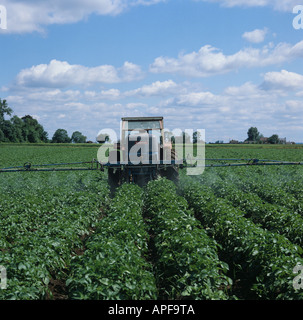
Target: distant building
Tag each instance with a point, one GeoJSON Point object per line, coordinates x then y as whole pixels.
{"type": "Point", "coordinates": [282, 140]}
{"type": "Point", "coordinates": [234, 141]}
{"type": "Point", "coordinates": [263, 140]}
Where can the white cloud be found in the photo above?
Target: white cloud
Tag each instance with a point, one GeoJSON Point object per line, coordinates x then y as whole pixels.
{"type": "Point", "coordinates": [54, 94]}
{"type": "Point", "coordinates": [210, 61]}
{"type": "Point", "coordinates": [110, 94]}
{"type": "Point", "coordinates": [31, 15]}
{"type": "Point", "coordinates": [156, 88]}
{"type": "Point", "coordinates": [255, 36]}
{"type": "Point", "coordinates": [199, 99]}
{"type": "Point", "coordinates": [280, 5]}
{"type": "Point", "coordinates": [274, 106]}
{"type": "Point", "coordinates": [129, 72]}
{"type": "Point", "coordinates": [294, 106]}
{"type": "Point", "coordinates": [283, 80]}
{"type": "Point", "coordinates": [224, 115]}
{"type": "Point", "coordinates": [136, 105]}
{"type": "Point", "coordinates": [62, 74]}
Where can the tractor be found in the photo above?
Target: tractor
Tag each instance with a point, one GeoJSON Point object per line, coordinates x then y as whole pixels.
{"type": "Point", "coordinates": [142, 154]}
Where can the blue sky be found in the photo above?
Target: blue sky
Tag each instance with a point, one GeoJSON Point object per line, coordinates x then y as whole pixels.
{"type": "Point", "coordinates": [218, 65]}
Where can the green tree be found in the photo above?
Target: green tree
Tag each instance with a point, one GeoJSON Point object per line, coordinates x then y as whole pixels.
{"type": "Point", "coordinates": [33, 131]}
{"type": "Point", "coordinates": [2, 137]}
{"type": "Point", "coordinates": [19, 128]}
{"type": "Point", "coordinates": [274, 139]}
{"type": "Point", "coordinates": [196, 136]}
{"type": "Point", "coordinates": [26, 129]}
{"type": "Point", "coordinates": [9, 131]}
{"type": "Point", "coordinates": [253, 134]}
{"type": "Point", "coordinates": [6, 131]}
{"type": "Point", "coordinates": [4, 109]}
{"type": "Point", "coordinates": [78, 137]}
{"type": "Point", "coordinates": [61, 136]}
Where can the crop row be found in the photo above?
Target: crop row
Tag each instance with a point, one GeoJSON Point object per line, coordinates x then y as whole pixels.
{"type": "Point", "coordinates": [292, 182]}
{"type": "Point", "coordinates": [263, 259]}
{"type": "Point", "coordinates": [288, 178]}
{"type": "Point", "coordinates": [114, 265]}
{"type": "Point", "coordinates": [186, 259]}
{"type": "Point", "coordinates": [273, 217]}
{"type": "Point", "coordinates": [267, 187]}
{"type": "Point", "coordinates": [40, 232]}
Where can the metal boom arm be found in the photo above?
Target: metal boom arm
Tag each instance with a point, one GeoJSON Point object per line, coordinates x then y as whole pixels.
{"type": "Point", "coordinates": [96, 165]}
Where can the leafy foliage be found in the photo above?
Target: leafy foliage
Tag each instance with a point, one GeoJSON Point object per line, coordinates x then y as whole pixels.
{"type": "Point", "coordinates": [187, 262]}
{"type": "Point", "coordinates": [264, 258]}
{"type": "Point", "coordinates": [26, 129]}
{"type": "Point", "coordinates": [78, 137]}
{"type": "Point", "coordinates": [41, 230]}
{"type": "Point", "coordinates": [153, 243]}
{"type": "Point", "coordinates": [61, 136]}
{"type": "Point", "coordinates": [114, 265]}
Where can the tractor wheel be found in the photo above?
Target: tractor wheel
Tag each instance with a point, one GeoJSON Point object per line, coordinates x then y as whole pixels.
{"type": "Point", "coordinates": [113, 180]}
{"type": "Point", "coordinates": [172, 172]}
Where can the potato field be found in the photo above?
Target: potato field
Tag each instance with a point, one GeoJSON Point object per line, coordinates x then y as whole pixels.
{"type": "Point", "coordinates": [230, 233]}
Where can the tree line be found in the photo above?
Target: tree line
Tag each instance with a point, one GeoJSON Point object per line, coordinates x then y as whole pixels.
{"type": "Point", "coordinates": [254, 136]}
{"type": "Point", "coordinates": [28, 129]}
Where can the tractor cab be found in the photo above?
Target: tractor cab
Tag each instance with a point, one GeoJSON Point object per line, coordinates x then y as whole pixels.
{"type": "Point", "coordinates": [140, 153]}
{"type": "Point", "coordinates": [142, 140]}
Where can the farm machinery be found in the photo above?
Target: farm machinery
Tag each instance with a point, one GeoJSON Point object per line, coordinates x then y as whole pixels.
{"type": "Point", "coordinates": [144, 153]}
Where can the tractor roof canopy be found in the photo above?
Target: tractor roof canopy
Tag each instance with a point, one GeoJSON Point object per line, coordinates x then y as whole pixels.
{"type": "Point", "coordinates": [146, 123]}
